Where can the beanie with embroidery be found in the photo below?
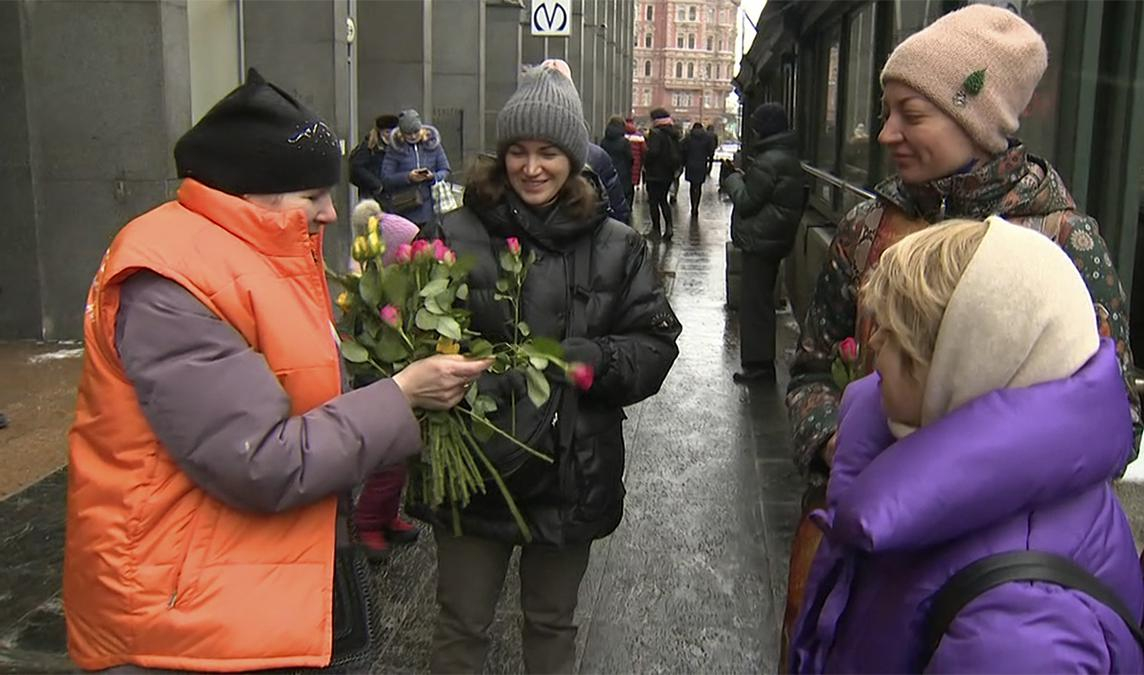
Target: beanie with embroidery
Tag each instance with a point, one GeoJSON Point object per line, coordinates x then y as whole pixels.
{"type": "Point", "coordinates": [979, 65]}
{"type": "Point", "coordinates": [545, 106]}
{"type": "Point", "coordinates": [260, 140]}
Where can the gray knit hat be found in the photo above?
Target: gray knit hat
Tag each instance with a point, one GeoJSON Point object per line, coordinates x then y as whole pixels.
{"type": "Point", "coordinates": [546, 105]}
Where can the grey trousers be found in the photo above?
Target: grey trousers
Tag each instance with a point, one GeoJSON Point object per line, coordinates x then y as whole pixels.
{"type": "Point", "coordinates": [470, 576]}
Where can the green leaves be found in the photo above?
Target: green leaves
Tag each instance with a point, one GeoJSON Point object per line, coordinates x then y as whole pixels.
{"type": "Point", "coordinates": [538, 387]}
{"type": "Point", "coordinates": [370, 286]}
{"type": "Point", "coordinates": [353, 352]}
{"type": "Point", "coordinates": [524, 329]}
{"type": "Point", "coordinates": [480, 349]}
{"type": "Point", "coordinates": [435, 287]}
{"type": "Point", "coordinates": [448, 326]}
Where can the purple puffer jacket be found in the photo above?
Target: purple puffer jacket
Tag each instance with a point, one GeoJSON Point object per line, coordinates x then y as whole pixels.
{"type": "Point", "coordinates": [1014, 469]}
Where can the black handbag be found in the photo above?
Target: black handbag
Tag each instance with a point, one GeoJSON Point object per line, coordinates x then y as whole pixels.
{"type": "Point", "coordinates": [406, 200]}
{"type": "Point", "coordinates": [1001, 568]}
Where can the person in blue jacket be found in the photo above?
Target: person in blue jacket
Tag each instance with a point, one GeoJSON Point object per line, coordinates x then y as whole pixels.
{"type": "Point", "coordinates": [414, 161]}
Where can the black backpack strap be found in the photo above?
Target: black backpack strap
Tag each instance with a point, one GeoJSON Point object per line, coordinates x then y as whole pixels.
{"type": "Point", "coordinates": [1001, 568]}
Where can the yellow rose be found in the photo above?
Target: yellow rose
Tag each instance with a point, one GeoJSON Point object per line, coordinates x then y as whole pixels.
{"type": "Point", "coordinates": [343, 301]}
{"type": "Point", "coordinates": [376, 244]}
{"type": "Point", "coordinates": [372, 225]}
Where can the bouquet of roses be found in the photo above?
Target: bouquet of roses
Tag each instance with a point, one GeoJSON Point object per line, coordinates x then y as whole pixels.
{"type": "Point", "coordinates": [414, 308]}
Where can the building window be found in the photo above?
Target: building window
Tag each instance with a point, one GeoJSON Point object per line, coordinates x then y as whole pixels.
{"type": "Point", "coordinates": [710, 14]}
{"type": "Point", "coordinates": [720, 44]}
{"type": "Point", "coordinates": [646, 96]}
{"type": "Point", "coordinates": [718, 71]}
{"type": "Point", "coordinates": [679, 69]}
{"type": "Point", "coordinates": [708, 71]}
{"type": "Point", "coordinates": [679, 41]}
{"type": "Point", "coordinates": [647, 40]}
{"type": "Point", "coordinates": [692, 13]}
{"type": "Point", "coordinates": [710, 42]}
{"type": "Point", "coordinates": [691, 41]}
{"type": "Point", "coordinates": [681, 13]}
{"type": "Point", "coordinates": [647, 68]}
{"type": "Point", "coordinates": [856, 116]}
{"type": "Point", "coordinates": [707, 99]}
{"type": "Point", "coordinates": [691, 71]}
{"type": "Point", "coordinates": [827, 108]}
{"type": "Point", "coordinates": [650, 12]}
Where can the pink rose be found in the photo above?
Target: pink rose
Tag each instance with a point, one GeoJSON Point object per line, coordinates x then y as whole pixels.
{"type": "Point", "coordinates": [390, 316]}
{"type": "Point", "coordinates": [582, 376]}
{"type": "Point", "coordinates": [450, 257]}
{"type": "Point", "coordinates": [421, 248]}
{"type": "Point", "coordinates": [848, 350]}
{"type": "Point", "coordinates": [513, 245]}
{"type": "Point", "coordinates": [439, 250]}
{"type": "Point", "coordinates": [404, 253]}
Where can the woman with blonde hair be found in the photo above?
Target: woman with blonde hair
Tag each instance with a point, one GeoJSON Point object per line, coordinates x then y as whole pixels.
{"type": "Point", "coordinates": [993, 423]}
{"type": "Point", "coordinates": [952, 99]}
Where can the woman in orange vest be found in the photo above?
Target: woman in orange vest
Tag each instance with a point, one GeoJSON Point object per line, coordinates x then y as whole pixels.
{"type": "Point", "coordinates": [213, 450]}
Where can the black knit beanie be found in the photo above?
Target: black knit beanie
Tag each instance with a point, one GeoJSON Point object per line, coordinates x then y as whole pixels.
{"type": "Point", "coordinates": [259, 140]}
{"type": "Point", "coordinates": [769, 119]}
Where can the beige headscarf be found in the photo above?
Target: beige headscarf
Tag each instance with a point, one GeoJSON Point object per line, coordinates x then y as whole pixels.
{"type": "Point", "coordinates": [1020, 315]}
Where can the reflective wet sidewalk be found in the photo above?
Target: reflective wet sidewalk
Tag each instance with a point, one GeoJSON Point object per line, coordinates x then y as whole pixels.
{"type": "Point", "coordinates": [691, 582]}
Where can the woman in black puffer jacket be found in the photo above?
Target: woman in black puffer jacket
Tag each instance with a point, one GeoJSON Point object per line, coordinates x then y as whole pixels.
{"type": "Point", "coordinates": [594, 288]}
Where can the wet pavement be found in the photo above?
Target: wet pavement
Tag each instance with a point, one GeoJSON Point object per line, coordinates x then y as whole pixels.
{"type": "Point", "coordinates": [693, 579]}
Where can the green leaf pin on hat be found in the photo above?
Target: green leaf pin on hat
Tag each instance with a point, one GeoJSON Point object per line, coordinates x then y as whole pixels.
{"type": "Point", "coordinates": [971, 86]}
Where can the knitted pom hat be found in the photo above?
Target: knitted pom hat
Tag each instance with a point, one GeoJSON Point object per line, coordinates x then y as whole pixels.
{"type": "Point", "coordinates": [545, 106]}
{"type": "Point", "coordinates": [979, 65]}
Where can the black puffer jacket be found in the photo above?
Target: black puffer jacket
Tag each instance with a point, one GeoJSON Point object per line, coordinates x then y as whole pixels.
{"type": "Point", "coordinates": [663, 159]}
{"type": "Point", "coordinates": [620, 150]}
{"type": "Point", "coordinates": [769, 196]}
{"type": "Point", "coordinates": [623, 326]}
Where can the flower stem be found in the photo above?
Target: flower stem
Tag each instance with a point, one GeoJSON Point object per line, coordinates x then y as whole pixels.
{"type": "Point", "coordinates": [497, 430]}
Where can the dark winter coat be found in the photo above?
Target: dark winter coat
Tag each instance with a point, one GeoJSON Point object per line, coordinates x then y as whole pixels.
{"type": "Point", "coordinates": [769, 197]}
{"type": "Point", "coordinates": [624, 327]}
{"type": "Point", "coordinates": [696, 151]}
{"type": "Point", "coordinates": [601, 164]}
{"type": "Point", "coordinates": [616, 144]}
{"type": "Point", "coordinates": [663, 157]}
{"type": "Point", "coordinates": [402, 158]}
{"type": "Point", "coordinates": [365, 167]}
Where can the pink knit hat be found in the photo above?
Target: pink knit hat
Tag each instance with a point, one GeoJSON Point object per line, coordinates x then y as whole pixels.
{"type": "Point", "coordinates": [979, 64]}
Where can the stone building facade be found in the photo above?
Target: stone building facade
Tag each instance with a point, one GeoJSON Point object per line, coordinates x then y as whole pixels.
{"type": "Point", "coordinates": [684, 58]}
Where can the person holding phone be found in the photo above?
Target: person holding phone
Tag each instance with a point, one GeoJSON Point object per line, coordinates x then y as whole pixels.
{"type": "Point", "coordinates": [413, 163]}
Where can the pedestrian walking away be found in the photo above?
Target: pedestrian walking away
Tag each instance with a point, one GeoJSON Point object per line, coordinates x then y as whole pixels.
{"type": "Point", "coordinates": [696, 149]}
{"type": "Point", "coordinates": [533, 198]}
{"type": "Point", "coordinates": [950, 126]}
{"type": "Point", "coordinates": [662, 162]}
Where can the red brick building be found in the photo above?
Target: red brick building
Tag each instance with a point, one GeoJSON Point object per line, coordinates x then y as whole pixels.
{"type": "Point", "coordinates": [684, 58]}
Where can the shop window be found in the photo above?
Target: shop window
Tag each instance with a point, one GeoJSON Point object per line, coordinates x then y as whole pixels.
{"type": "Point", "coordinates": [828, 55]}
{"type": "Point", "coordinates": [856, 117]}
{"type": "Point", "coordinates": [1039, 119]}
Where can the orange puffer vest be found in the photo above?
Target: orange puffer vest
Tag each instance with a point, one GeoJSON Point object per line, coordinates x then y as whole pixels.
{"type": "Point", "coordinates": [156, 572]}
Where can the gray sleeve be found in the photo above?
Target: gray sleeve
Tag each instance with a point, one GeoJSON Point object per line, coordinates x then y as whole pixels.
{"type": "Point", "coordinates": [220, 411]}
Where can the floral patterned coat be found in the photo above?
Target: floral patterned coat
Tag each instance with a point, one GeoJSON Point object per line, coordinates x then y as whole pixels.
{"type": "Point", "coordinates": [1020, 187]}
